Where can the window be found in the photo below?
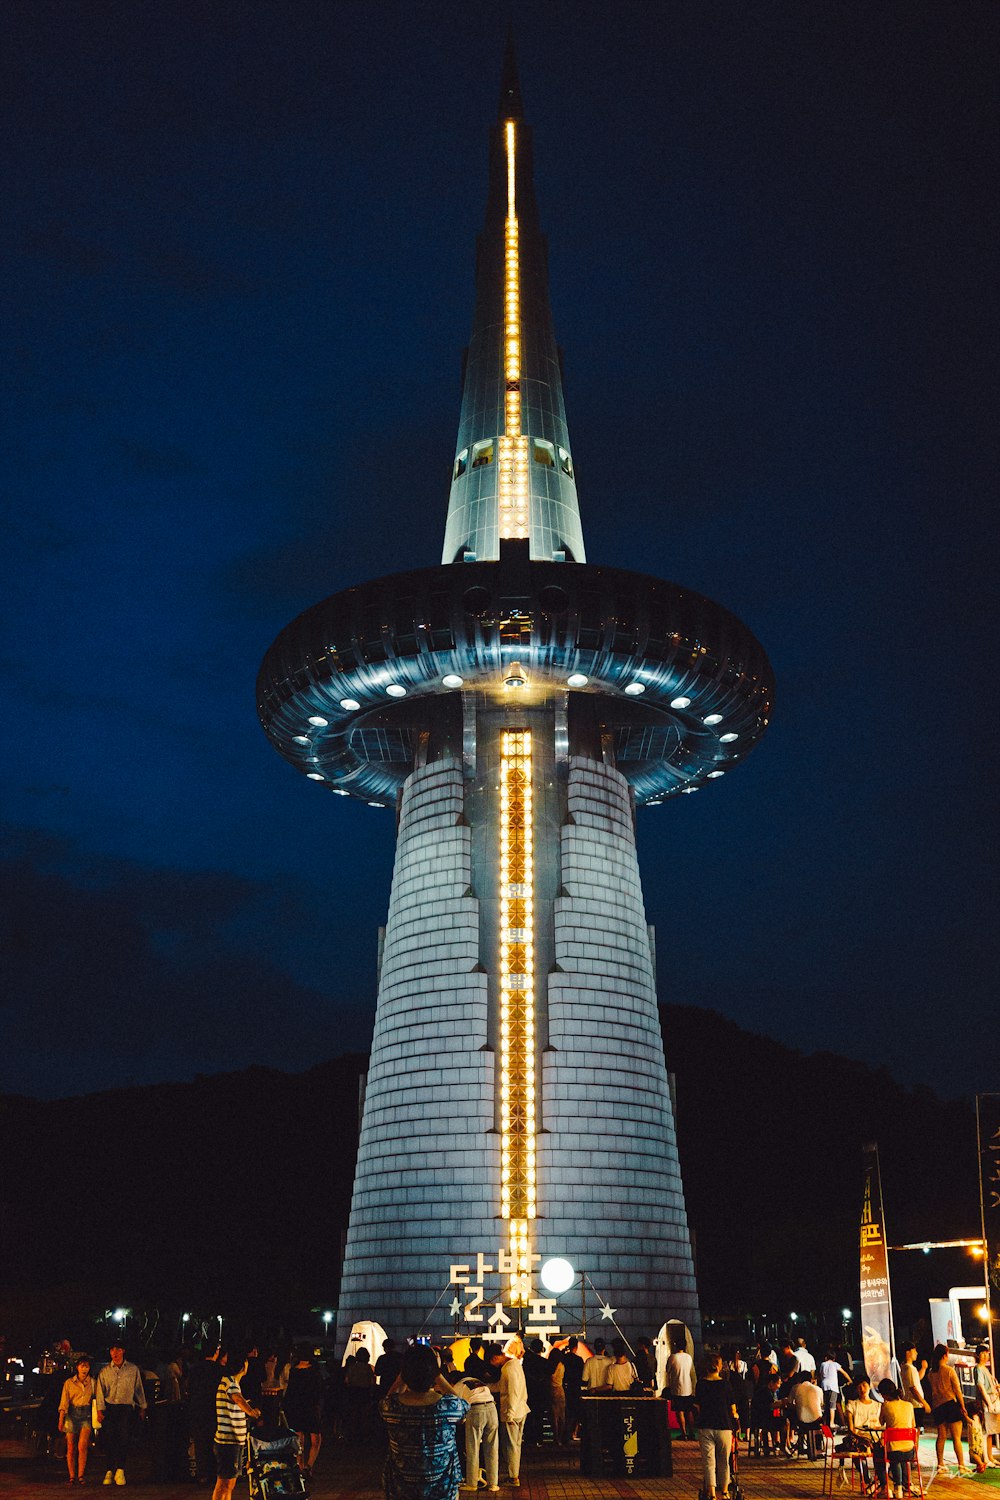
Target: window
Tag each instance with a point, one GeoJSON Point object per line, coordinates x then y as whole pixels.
{"type": "Point", "coordinates": [544, 453]}
{"type": "Point", "coordinates": [461, 464]}
{"type": "Point", "coordinates": [565, 463]}
{"type": "Point", "coordinates": [482, 454]}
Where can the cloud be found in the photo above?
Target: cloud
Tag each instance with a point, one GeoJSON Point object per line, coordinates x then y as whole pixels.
{"type": "Point", "coordinates": [111, 973]}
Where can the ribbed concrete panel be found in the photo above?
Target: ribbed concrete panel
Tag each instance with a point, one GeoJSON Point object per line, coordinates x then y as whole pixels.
{"type": "Point", "coordinates": [428, 1161]}
{"type": "Point", "coordinates": [609, 1177]}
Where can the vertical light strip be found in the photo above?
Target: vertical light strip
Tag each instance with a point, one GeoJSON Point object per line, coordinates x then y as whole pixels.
{"type": "Point", "coordinates": [517, 1007]}
{"type": "Point", "coordinates": [512, 471]}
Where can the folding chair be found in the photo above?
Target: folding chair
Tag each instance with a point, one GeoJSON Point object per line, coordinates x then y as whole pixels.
{"type": "Point", "coordinates": [911, 1436]}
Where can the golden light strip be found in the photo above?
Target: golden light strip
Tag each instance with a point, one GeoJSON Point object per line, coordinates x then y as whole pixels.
{"type": "Point", "coordinates": [517, 1007]}
{"type": "Point", "coordinates": [512, 457]}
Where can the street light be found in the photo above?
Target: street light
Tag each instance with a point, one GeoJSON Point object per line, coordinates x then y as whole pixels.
{"type": "Point", "coordinates": [327, 1320]}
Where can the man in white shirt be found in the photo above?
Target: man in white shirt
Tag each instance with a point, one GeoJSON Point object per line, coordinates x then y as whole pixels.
{"type": "Point", "coordinates": [680, 1388]}
{"type": "Point", "coordinates": [911, 1383]}
{"type": "Point", "coordinates": [807, 1403]}
{"type": "Point", "coordinates": [595, 1370]}
{"type": "Point", "coordinates": [804, 1359]}
{"type": "Point", "coordinates": [512, 1397]}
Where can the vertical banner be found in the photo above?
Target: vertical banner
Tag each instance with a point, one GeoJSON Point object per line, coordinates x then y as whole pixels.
{"type": "Point", "coordinates": [988, 1129]}
{"type": "Point", "coordinates": [876, 1304]}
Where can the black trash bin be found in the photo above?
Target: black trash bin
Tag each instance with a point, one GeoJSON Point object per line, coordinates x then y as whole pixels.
{"type": "Point", "coordinates": [626, 1435]}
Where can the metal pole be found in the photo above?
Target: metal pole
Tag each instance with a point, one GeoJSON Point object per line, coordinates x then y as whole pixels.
{"type": "Point", "coordinates": [982, 1225]}
{"type": "Point", "coordinates": [583, 1298]}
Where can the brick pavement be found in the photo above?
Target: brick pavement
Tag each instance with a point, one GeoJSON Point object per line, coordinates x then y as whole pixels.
{"type": "Point", "coordinates": [345, 1473]}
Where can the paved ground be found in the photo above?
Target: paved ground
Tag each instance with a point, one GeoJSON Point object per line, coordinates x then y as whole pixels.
{"type": "Point", "coordinates": [547, 1474]}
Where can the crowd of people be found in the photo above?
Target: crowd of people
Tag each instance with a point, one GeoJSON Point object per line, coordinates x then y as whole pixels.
{"type": "Point", "coordinates": [451, 1427]}
{"type": "Point", "coordinates": [196, 1408]}
{"type": "Point", "coordinates": [786, 1404]}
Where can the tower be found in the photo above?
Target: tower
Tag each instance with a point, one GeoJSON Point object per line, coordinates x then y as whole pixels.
{"type": "Point", "coordinates": [516, 705]}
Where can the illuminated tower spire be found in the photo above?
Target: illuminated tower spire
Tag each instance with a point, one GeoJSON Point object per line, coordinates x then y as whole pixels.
{"type": "Point", "coordinates": [515, 706]}
{"type": "Point", "coordinates": [513, 472]}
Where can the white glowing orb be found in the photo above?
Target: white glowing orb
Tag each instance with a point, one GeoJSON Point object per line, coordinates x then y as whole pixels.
{"type": "Point", "coordinates": [557, 1275]}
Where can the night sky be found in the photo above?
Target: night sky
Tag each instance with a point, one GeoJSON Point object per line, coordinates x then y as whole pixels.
{"type": "Point", "coordinates": [238, 276]}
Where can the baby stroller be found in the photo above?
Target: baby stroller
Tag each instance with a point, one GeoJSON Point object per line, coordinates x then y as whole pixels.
{"type": "Point", "coordinates": [272, 1464]}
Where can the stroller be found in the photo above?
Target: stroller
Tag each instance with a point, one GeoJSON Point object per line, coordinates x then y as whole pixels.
{"type": "Point", "coordinates": [272, 1464]}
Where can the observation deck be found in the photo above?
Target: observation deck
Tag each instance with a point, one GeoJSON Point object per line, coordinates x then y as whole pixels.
{"type": "Point", "coordinates": [682, 688]}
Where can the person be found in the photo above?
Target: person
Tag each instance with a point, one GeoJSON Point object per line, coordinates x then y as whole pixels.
{"type": "Point", "coordinates": [231, 1412]}
{"type": "Point", "coordinates": [387, 1367]}
{"type": "Point", "coordinates": [304, 1404]}
{"type": "Point", "coordinates": [987, 1402]}
{"type": "Point", "coordinates": [645, 1362]}
{"type": "Point", "coordinates": [622, 1374]}
{"type": "Point", "coordinates": [421, 1413]}
{"type": "Point", "coordinates": [595, 1369]}
{"type": "Point", "coordinates": [911, 1383]}
{"type": "Point", "coordinates": [572, 1382]}
{"type": "Point", "coordinates": [536, 1375]}
{"type": "Point", "coordinates": [273, 1385]}
{"type": "Point", "coordinates": [482, 1433]}
{"type": "Point", "coordinates": [864, 1422]}
{"type": "Point", "coordinates": [807, 1403]}
{"type": "Point", "coordinates": [359, 1389]}
{"type": "Point", "coordinates": [203, 1383]}
{"type": "Point", "coordinates": [170, 1428]}
{"type": "Point", "coordinates": [741, 1385]}
{"type": "Point", "coordinates": [76, 1419]}
{"type": "Point", "coordinates": [557, 1396]}
{"type": "Point", "coordinates": [119, 1396]}
{"type": "Point", "coordinates": [805, 1361]}
{"type": "Point", "coordinates": [830, 1374]}
{"type": "Point", "coordinates": [897, 1413]}
{"type": "Point", "coordinates": [512, 1399]}
{"type": "Point", "coordinates": [717, 1417]}
{"type": "Point", "coordinates": [680, 1385]}
{"type": "Point", "coordinates": [476, 1362]}
{"type": "Point", "coordinates": [947, 1406]}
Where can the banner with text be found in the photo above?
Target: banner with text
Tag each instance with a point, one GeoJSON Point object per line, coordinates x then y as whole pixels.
{"type": "Point", "coordinates": [876, 1303]}
{"type": "Point", "coordinates": [988, 1115]}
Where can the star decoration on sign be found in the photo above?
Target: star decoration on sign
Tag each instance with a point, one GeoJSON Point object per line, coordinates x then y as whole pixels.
{"type": "Point", "coordinates": [608, 1312]}
{"type": "Point", "coordinates": [456, 1307]}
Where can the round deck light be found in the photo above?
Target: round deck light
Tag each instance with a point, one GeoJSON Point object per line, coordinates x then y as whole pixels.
{"type": "Point", "coordinates": [319, 721]}
{"type": "Point", "coordinates": [301, 739]}
{"type": "Point", "coordinates": [680, 702]}
{"type": "Point", "coordinates": [714, 774]}
{"type": "Point", "coordinates": [395, 690]}
{"type": "Point", "coordinates": [577, 679]}
{"type": "Point", "coordinates": [635, 688]}
{"type": "Point", "coordinates": [557, 1275]}
{"type": "Point", "coordinates": [727, 739]}
{"type": "Point", "coordinates": [350, 704]}
{"type": "Point", "coordinates": [315, 776]}
{"type": "Point", "coordinates": [712, 719]}
{"type": "Point", "coordinates": [452, 680]}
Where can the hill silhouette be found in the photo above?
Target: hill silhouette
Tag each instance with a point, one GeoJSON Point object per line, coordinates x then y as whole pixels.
{"type": "Point", "coordinates": [231, 1193]}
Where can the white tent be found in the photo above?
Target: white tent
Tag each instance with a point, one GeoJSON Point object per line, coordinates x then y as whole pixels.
{"type": "Point", "coordinates": [673, 1335]}
{"type": "Point", "coordinates": [365, 1335]}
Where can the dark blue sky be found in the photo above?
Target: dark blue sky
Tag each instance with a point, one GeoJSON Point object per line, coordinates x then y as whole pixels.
{"type": "Point", "coordinates": [237, 280]}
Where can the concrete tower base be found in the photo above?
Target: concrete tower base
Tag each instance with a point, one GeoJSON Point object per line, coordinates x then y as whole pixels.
{"type": "Point", "coordinates": [427, 1186]}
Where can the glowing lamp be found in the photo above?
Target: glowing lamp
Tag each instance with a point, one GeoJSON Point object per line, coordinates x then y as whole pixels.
{"type": "Point", "coordinates": [557, 1275]}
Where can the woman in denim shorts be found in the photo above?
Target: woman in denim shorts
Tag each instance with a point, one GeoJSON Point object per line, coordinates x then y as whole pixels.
{"type": "Point", "coordinates": [75, 1417]}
